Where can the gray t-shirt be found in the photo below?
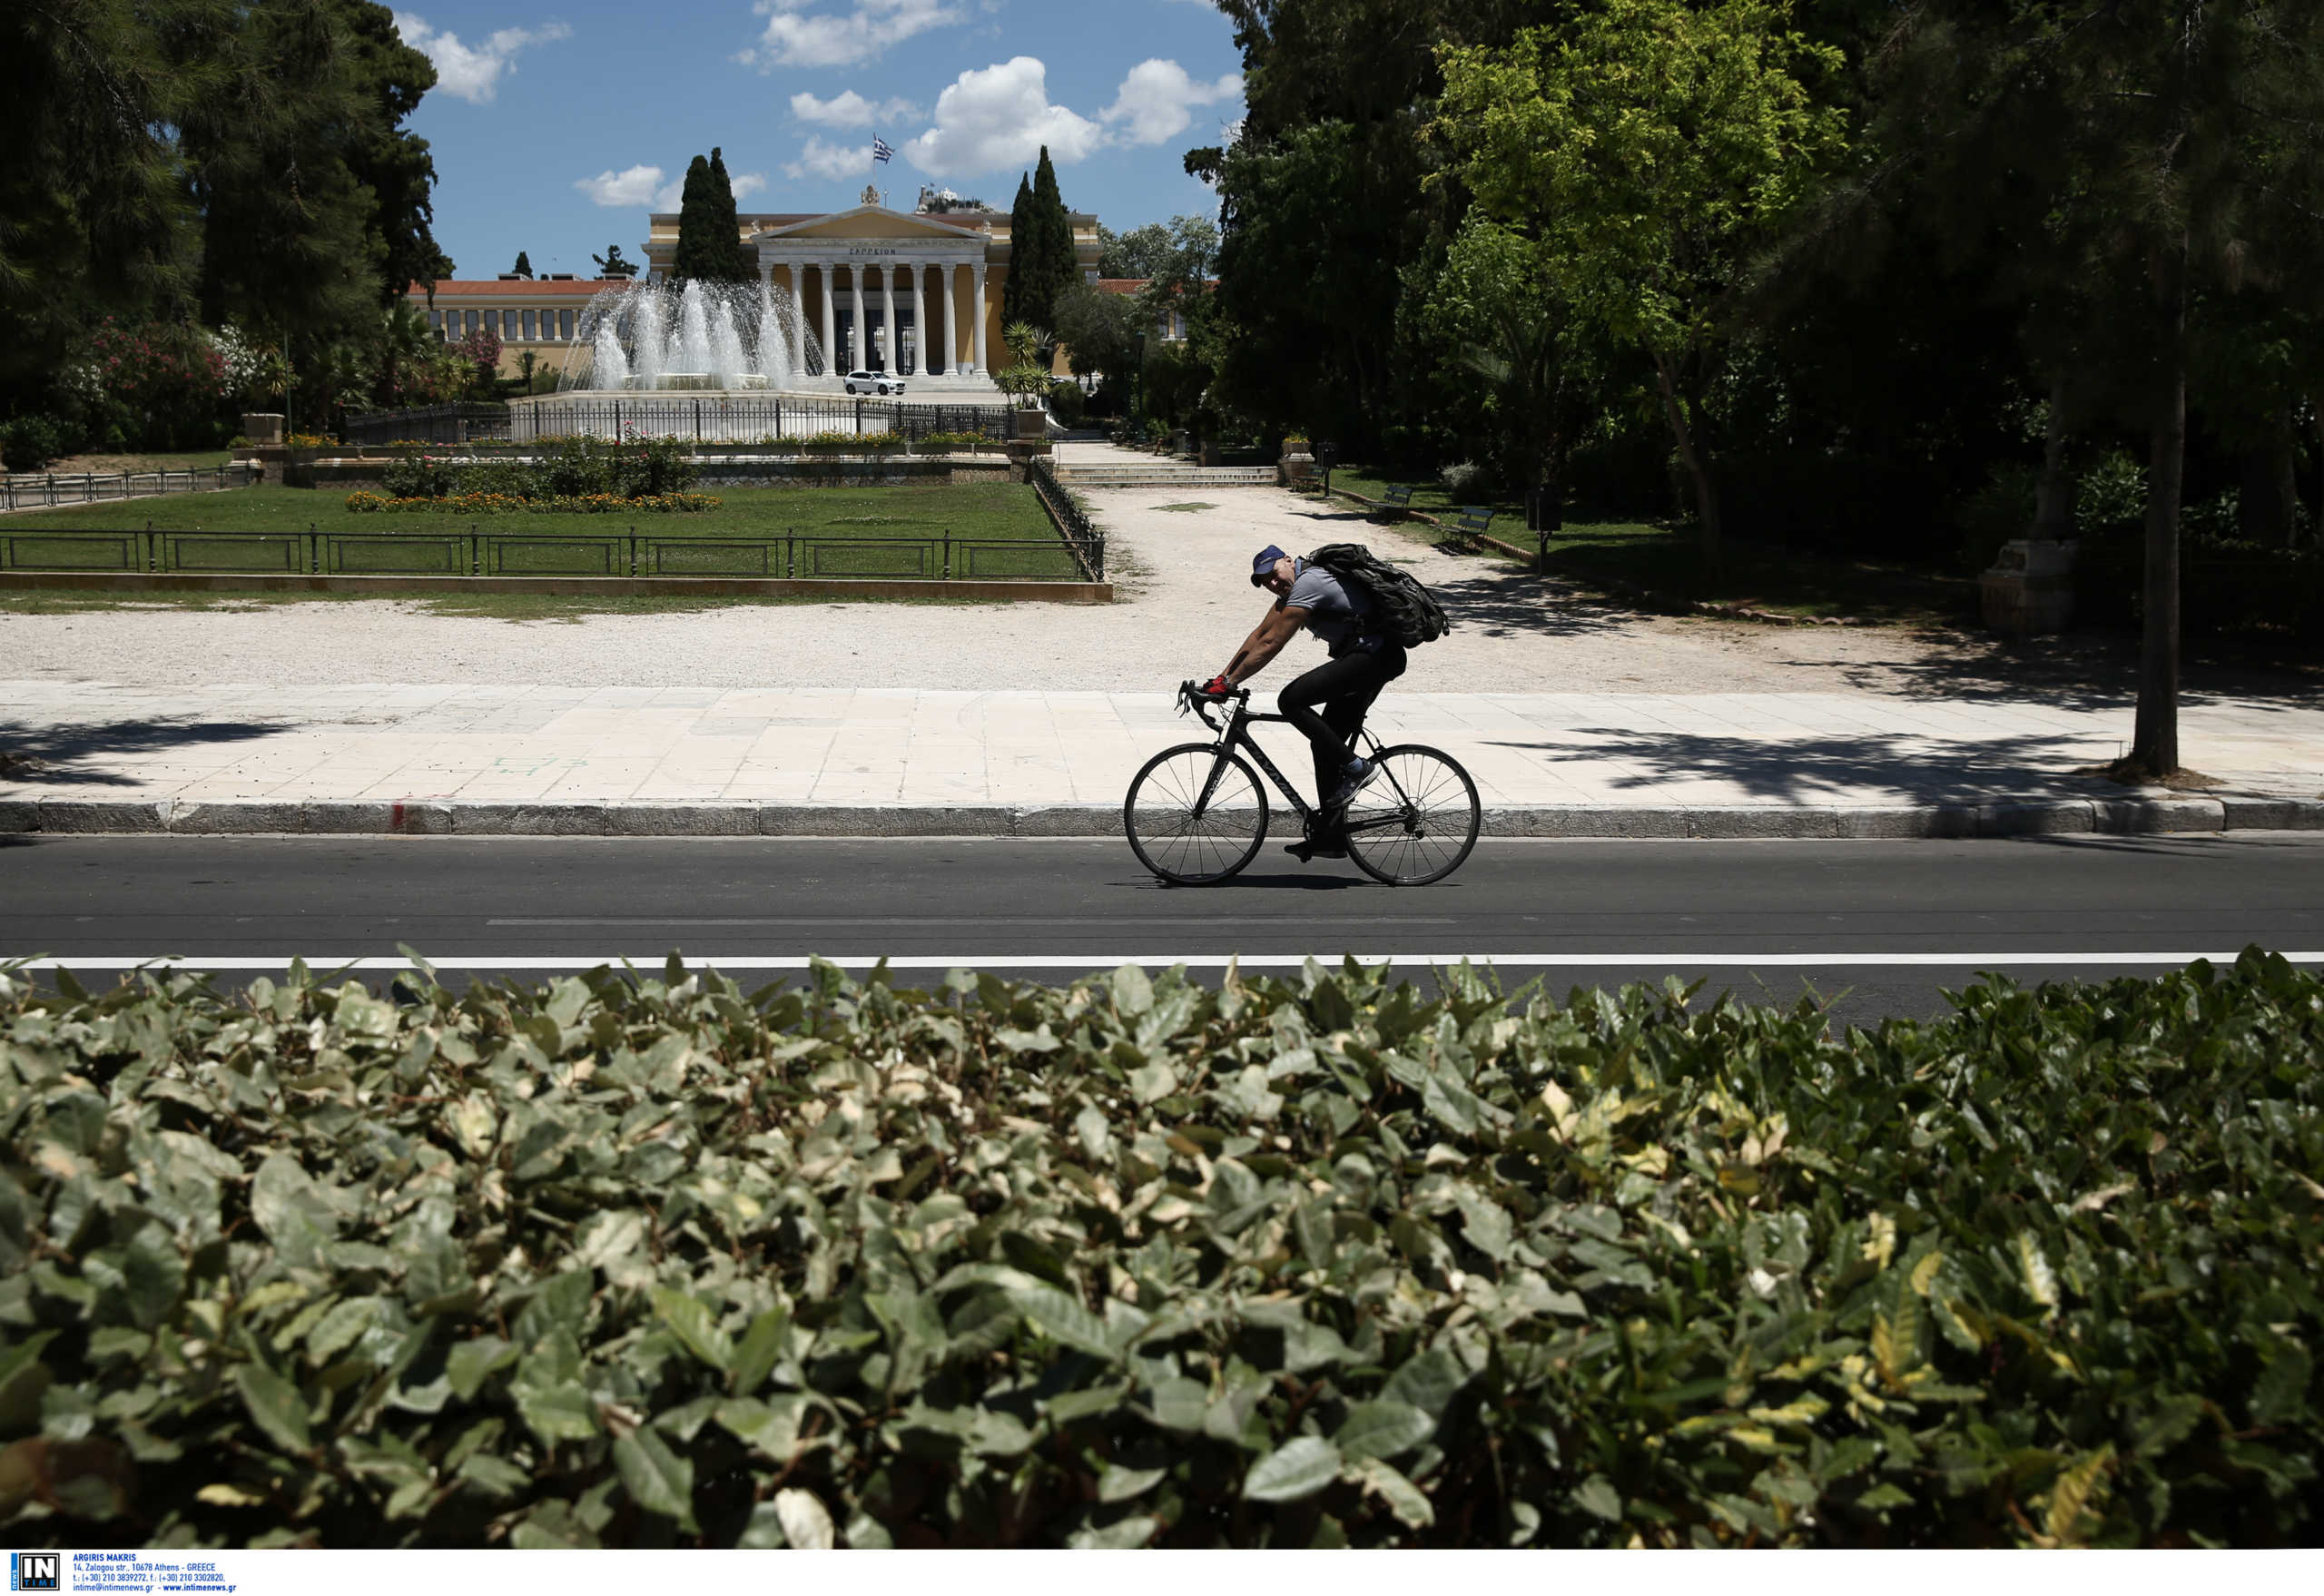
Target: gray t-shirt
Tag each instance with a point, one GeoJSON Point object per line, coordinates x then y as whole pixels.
{"type": "Point", "coordinates": [1338, 613]}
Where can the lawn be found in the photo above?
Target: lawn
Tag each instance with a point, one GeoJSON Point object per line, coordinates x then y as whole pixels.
{"type": "Point", "coordinates": [998, 510]}
{"type": "Point", "coordinates": [1623, 559]}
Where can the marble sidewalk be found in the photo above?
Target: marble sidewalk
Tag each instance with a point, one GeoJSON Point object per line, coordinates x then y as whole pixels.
{"type": "Point", "coordinates": [91, 757]}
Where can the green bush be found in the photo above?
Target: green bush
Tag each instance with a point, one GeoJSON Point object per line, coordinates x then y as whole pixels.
{"type": "Point", "coordinates": [29, 442]}
{"type": "Point", "coordinates": [419, 475]}
{"type": "Point", "coordinates": [1298, 1262]}
{"type": "Point", "coordinates": [1066, 403]}
{"type": "Point", "coordinates": [563, 468]}
{"type": "Point", "coordinates": [2111, 496]}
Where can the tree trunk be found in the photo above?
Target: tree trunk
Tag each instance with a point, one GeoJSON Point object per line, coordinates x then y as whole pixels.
{"type": "Point", "coordinates": [1706, 496]}
{"type": "Point", "coordinates": [2054, 499]}
{"type": "Point", "coordinates": [2154, 745]}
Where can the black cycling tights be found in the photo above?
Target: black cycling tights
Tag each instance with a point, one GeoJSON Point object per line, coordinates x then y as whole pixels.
{"type": "Point", "coordinates": [1346, 687]}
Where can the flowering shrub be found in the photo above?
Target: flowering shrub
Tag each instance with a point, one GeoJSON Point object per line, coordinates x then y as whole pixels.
{"type": "Point", "coordinates": [156, 383]}
{"type": "Point", "coordinates": [309, 440]}
{"type": "Point", "coordinates": [509, 504]}
{"type": "Point", "coordinates": [250, 370]}
{"type": "Point", "coordinates": [480, 352]}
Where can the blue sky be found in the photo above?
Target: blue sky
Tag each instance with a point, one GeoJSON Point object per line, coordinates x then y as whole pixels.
{"type": "Point", "coordinates": [557, 128]}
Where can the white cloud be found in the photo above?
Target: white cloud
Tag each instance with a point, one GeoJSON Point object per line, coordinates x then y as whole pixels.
{"type": "Point", "coordinates": [860, 30]}
{"type": "Point", "coordinates": [473, 72]}
{"type": "Point", "coordinates": [822, 158]}
{"type": "Point", "coordinates": [1155, 100]}
{"type": "Point", "coordinates": [849, 109]}
{"type": "Point", "coordinates": [1000, 117]}
{"type": "Point", "coordinates": [643, 187]}
{"type": "Point", "coordinates": [639, 185]}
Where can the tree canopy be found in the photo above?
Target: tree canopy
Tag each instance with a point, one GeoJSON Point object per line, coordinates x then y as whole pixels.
{"type": "Point", "coordinates": [170, 160]}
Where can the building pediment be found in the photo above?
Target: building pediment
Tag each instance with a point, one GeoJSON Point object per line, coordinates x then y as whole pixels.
{"type": "Point", "coordinates": [867, 221]}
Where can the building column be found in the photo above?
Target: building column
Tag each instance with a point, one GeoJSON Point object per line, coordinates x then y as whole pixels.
{"type": "Point", "coordinates": [918, 320]}
{"type": "Point", "coordinates": [889, 344]}
{"type": "Point", "coordinates": [857, 352]}
{"type": "Point", "coordinates": [952, 321]}
{"type": "Point", "coordinates": [830, 298]}
{"type": "Point", "coordinates": [976, 309]}
{"type": "Point", "coordinates": [798, 332]}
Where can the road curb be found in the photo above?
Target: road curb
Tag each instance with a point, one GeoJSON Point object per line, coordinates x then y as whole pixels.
{"type": "Point", "coordinates": [2107, 816]}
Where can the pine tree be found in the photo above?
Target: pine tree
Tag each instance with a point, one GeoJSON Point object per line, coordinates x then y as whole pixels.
{"type": "Point", "coordinates": [701, 251]}
{"type": "Point", "coordinates": [1021, 227]}
{"type": "Point", "coordinates": [523, 268]}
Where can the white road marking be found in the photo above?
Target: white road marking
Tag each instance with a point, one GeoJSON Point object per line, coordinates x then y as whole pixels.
{"type": "Point", "coordinates": [2141, 961]}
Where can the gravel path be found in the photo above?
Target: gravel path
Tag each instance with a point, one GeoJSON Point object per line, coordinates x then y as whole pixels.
{"type": "Point", "coordinates": [1184, 603]}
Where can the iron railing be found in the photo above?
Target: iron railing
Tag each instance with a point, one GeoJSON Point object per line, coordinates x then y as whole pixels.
{"type": "Point", "coordinates": [470, 552]}
{"type": "Point", "coordinates": [1084, 540]}
{"type": "Point", "coordinates": [473, 422]}
{"type": "Point", "coordinates": [729, 417]}
{"type": "Point", "coordinates": [708, 417]}
{"type": "Point", "coordinates": [21, 489]}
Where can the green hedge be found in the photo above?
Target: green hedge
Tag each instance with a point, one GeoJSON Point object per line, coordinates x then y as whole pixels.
{"type": "Point", "coordinates": [650, 1262]}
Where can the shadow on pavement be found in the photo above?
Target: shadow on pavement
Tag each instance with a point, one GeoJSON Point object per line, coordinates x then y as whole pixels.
{"type": "Point", "coordinates": [1831, 769]}
{"type": "Point", "coordinates": [54, 754]}
{"type": "Point", "coordinates": [2083, 670]}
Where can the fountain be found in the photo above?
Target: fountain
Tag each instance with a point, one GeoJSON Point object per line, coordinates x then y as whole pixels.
{"type": "Point", "coordinates": [717, 337]}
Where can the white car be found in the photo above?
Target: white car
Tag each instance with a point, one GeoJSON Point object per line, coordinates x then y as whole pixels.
{"type": "Point", "coordinates": [879, 382]}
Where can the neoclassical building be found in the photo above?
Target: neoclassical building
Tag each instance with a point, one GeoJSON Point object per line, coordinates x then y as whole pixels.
{"type": "Point", "coordinates": [914, 292]}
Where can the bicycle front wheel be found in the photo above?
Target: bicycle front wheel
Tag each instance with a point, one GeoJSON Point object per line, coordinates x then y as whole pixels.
{"type": "Point", "coordinates": [1417, 820]}
{"type": "Point", "coordinates": [1186, 826]}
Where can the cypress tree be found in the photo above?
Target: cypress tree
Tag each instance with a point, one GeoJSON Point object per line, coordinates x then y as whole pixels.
{"type": "Point", "coordinates": [1057, 266]}
{"type": "Point", "coordinates": [744, 262]}
{"type": "Point", "coordinates": [524, 266]}
{"type": "Point", "coordinates": [1021, 227]}
{"type": "Point", "coordinates": [700, 251]}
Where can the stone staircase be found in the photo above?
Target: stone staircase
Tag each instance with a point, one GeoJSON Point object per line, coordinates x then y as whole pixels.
{"type": "Point", "coordinates": [1159, 472]}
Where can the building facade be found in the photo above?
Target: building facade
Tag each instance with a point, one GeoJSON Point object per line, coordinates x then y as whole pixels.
{"type": "Point", "coordinates": [916, 293]}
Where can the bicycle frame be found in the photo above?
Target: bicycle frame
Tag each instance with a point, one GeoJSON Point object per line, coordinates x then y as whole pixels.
{"type": "Point", "coordinates": [1235, 733]}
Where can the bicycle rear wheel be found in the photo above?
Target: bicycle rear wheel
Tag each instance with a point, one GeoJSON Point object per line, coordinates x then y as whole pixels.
{"type": "Point", "coordinates": [1417, 820]}
{"type": "Point", "coordinates": [1183, 836]}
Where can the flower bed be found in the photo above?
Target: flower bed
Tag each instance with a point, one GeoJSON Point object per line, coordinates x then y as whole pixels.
{"type": "Point", "coordinates": [507, 503]}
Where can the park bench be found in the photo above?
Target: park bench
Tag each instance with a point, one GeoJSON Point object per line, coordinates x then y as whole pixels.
{"type": "Point", "coordinates": [1398, 498]}
{"type": "Point", "coordinates": [1474, 522]}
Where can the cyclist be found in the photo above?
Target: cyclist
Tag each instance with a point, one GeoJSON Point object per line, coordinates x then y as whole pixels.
{"type": "Point", "coordinates": [1364, 658]}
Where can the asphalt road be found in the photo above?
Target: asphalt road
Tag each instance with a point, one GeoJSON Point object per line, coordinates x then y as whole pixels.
{"type": "Point", "coordinates": [1878, 928]}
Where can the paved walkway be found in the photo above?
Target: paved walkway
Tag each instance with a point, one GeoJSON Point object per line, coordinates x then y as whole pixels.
{"type": "Point", "coordinates": [366, 716]}
{"type": "Point", "coordinates": [1583, 764]}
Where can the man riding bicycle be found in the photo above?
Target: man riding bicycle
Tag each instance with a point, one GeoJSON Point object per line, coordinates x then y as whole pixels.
{"type": "Point", "coordinates": [1364, 658]}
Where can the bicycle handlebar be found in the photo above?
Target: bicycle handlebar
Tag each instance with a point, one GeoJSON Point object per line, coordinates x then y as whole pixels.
{"type": "Point", "coordinates": [1191, 697]}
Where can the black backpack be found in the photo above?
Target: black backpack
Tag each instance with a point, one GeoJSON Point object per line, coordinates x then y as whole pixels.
{"type": "Point", "coordinates": [1409, 612]}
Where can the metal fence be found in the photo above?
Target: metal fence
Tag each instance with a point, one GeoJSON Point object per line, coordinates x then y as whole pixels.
{"type": "Point", "coordinates": [942, 558]}
{"type": "Point", "coordinates": [728, 417]}
{"type": "Point", "coordinates": [461, 423]}
{"type": "Point", "coordinates": [23, 489]}
{"type": "Point", "coordinates": [1084, 540]}
{"type": "Point", "coordinates": [710, 417]}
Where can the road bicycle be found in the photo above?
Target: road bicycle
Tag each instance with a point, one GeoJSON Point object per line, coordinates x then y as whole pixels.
{"type": "Point", "coordinates": [1195, 814]}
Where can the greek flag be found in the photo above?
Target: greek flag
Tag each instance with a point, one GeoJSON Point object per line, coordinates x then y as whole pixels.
{"type": "Point", "coordinates": [880, 151]}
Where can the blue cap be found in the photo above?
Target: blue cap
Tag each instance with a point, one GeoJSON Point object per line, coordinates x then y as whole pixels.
{"type": "Point", "coordinates": [1263, 562]}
